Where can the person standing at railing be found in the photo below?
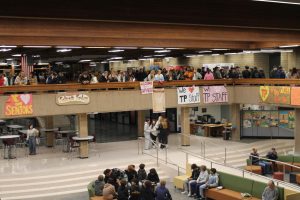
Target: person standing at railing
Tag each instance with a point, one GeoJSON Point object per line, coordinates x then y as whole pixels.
{"type": "Point", "coordinates": [147, 132]}
{"type": "Point", "coordinates": [270, 192]}
{"type": "Point", "coordinates": [209, 75]}
{"type": "Point", "coordinates": [158, 76]}
{"type": "Point", "coordinates": [265, 166]}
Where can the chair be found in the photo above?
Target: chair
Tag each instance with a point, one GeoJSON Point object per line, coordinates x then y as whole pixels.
{"type": "Point", "coordinates": [74, 147]}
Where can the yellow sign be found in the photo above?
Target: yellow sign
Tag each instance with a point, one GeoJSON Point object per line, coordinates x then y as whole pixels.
{"type": "Point", "coordinates": [275, 94]}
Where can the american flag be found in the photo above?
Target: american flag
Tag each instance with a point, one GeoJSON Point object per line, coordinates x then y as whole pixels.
{"type": "Point", "coordinates": [27, 69]}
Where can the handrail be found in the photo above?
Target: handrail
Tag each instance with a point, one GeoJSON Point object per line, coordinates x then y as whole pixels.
{"type": "Point", "coordinates": [242, 170]}
{"type": "Point", "coordinates": [276, 161]}
{"type": "Point", "coordinates": [135, 85]}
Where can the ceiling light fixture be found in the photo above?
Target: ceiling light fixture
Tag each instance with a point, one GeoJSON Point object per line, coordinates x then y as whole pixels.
{"type": "Point", "coordinates": [37, 47]}
{"type": "Point", "coordinates": [160, 55]}
{"type": "Point", "coordinates": [16, 55]}
{"type": "Point", "coordinates": [162, 51]}
{"type": "Point", "coordinates": [104, 62]}
{"type": "Point", "coordinates": [114, 61]}
{"type": "Point", "coordinates": [282, 2]}
{"type": "Point", "coordinates": [144, 59]}
{"type": "Point", "coordinates": [152, 48]}
{"type": "Point", "coordinates": [226, 54]}
{"type": "Point", "coordinates": [148, 56]}
{"type": "Point", "coordinates": [116, 58]}
{"type": "Point", "coordinates": [216, 54]}
{"type": "Point", "coordinates": [116, 50]}
{"type": "Point", "coordinates": [288, 46]}
{"type": "Point", "coordinates": [220, 49]}
{"type": "Point", "coordinates": [7, 46]}
{"type": "Point", "coordinates": [63, 50]}
{"type": "Point", "coordinates": [36, 56]}
{"type": "Point", "coordinates": [125, 47]}
{"type": "Point", "coordinates": [204, 51]}
{"type": "Point", "coordinates": [97, 47]}
{"type": "Point", "coordinates": [68, 47]}
{"type": "Point", "coordinates": [85, 61]}
{"type": "Point", "coordinates": [174, 48]}
{"type": "Point", "coordinates": [9, 59]}
{"type": "Point", "coordinates": [5, 50]}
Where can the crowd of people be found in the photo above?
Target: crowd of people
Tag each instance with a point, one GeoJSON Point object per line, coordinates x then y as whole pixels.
{"type": "Point", "coordinates": [156, 133]}
{"type": "Point", "coordinates": [131, 184]}
{"type": "Point", "coordinates": [131, 75]}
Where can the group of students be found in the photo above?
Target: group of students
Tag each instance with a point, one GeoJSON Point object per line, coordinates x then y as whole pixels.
{"type": "Point", "coordinates": [131, 185]}
{"type": "Point", "coordinates": [156, 130]}
{"type": "Point", "coordinates": [266, 166]}
{"type": "Point", "coordinates": [202, 179]}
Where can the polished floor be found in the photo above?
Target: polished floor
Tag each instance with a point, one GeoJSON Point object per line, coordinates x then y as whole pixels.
{"type": "Point", "coordinates": [53, 174]}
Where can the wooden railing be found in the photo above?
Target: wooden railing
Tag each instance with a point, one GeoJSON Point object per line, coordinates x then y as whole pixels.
{"type": "Point", "coordinates": [136, 85]}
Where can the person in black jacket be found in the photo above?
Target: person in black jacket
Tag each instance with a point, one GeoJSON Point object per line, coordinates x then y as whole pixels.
{"type": "Point", "coordinates": [123, 191]}
{"type": "Point", "coordinates": [153, 176]}
{"type": "Point", "coordinates": [142, 174]}
{"type": "Point", "coordinates": [246, 73]}
{"type": "Point", "coordinates": [131, 173]}
{"type": "Point", "coordinates": [191, 179]}
{"type": "Point", "coordinates": [147, 192]}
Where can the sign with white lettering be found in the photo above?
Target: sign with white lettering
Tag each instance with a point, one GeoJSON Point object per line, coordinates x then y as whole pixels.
{"type": "Point", "coordinates": [188, 95]}
{"type": "Point", "coordinates": [72, 98]}
{"type": "Point", "coordinates": [146, 87]}
{"type": "Point", "coordinates": [215, 94]}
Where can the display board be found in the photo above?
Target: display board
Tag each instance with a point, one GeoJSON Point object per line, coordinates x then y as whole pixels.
{"type": "Point", "coordinates": [188, 95]}
{"type": "Point", "coordinates": [275, 94]}
{"type": "Point", "coordinates": [146, 87]}
{"type": "Point", "coordinates": [215, 94]}
{"type": "Point", "coordinates": [18, 105]}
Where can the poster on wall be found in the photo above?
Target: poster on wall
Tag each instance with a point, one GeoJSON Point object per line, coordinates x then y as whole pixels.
{"type": "Point", "coordinates": [275, 94]}
{"type": "Point", "coordinates": [146, 87]}
{"type": "Point", "coordinates": [159, 101]}
{"type": "Point", "coordinates": [18, 105]}
{"type": "Point", "coordinates": [247, 119]}
{"type": "Point", "coordinates": [295, 96]}
{"type": "Point", "coordinates": [188, 95]}
{"type": "Point", "coordinates": [287, 119]}
{"type": "Point", "coordinates": [215, 94]}
{"type": "Point", "coordinates": [72, 98]}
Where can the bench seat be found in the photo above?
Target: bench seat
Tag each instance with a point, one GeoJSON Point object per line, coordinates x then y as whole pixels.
{"type": "Point", "coordinates": [225, 194]}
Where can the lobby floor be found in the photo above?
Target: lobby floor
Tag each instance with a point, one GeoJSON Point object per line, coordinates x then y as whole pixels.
{"type": "Point", "coordinates": [53, 174]}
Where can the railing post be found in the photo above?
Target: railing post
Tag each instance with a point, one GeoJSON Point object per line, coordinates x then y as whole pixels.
{"type": "Point", "coordinates": [178, 172]}
{"type": "Point", "coordinates": [157, 156]}
{"type": "Point", "coordinates": [204, 150]}
{"type": "Point", "coordinates": [186, 158]}
{"type": "Point", "coordinates": [225, 156]}
{"type": "Point", "coordinates": [166, 155]}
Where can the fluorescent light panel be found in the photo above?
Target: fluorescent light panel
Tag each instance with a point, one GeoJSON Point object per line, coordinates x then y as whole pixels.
{"type": "Point", "coordinates": [7, 46]}
{"type": "Point", "coordinates": [63, 50]}
{"type": "Point", "coordinates": [85, 60]}
{"type": "Point", "coordinates": [116, 50]}
{"type": "Point", "coordinates": [5, 50]}
{"type": "Point", "coordinates": [282, 2]}
{"type": "Point", "coordinates": [289, 46]}
{"type": "Point", "coordinates": [162, 51]}
{"type": "Point", "coordinates": [125, 47]}
{"type": "Point", "coordinates": [220, 49]}
{"type": "Point", "coordinates": [68, 47]}
{"type": "Point", "coordinates": [36, 46]}
{"type": "Point", "coordinates": [152, 48]}
{"type": "Point", "coordinates": [174, 48]}
{"type": "Point", "coordinates": [16, 55]}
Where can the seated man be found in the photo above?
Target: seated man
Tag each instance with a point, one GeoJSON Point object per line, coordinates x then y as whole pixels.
{"type": "Point", "coordinates": [99, 185]}
{"type": "Point", "coordinates": [272, 155]}
{"type": "Point", "coordinates": [190, 180]}
{"type": "Point", "coordinates": [212, 182]}
{"type": "Point", "coordinates": [270, 192]}
{"type": "Point", "coordinates": [265, 166]}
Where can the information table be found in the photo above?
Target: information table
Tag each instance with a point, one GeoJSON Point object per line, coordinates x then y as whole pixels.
{"type": "Point", "coordinates": [83, 141]}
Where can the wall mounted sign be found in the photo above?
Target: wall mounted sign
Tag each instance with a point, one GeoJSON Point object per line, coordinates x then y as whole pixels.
{"type": "Point", "coordinates": [18, 104]}
{"type": "Point", "coordinates": [275, 94]}
{"type": "Point", "coordinates": [159, 100]}
{"type": "Point", "coordinates": [188, 95]}
{"type": "Point", "coordinates": [146, 87]}
{"type": "Point", "coordinates": [215, 94]}
{"type": "Point", "coordinates": [295, 96]}
{"type": "Point", "coordinates": [72, 98]}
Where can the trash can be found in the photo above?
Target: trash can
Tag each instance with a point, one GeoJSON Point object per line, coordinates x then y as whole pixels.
{"type": "Point", "coordinates": [226, 134]}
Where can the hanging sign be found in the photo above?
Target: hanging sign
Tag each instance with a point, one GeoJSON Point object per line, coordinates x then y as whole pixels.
{"type": "Point", "coordinates": [146, 87]}
{"type": "Point", "coordinates": [188, 95]}
{"type": "Point", "coordinates": [18, 104]}
{"type": "Point", "coordinates": [275, 94]}
{"type": "Point", "coordinates": [295, 96]}
{"type": "Point", "coordinates": [159, 100]}
{"type": "Point", "coordinates": [72, 98]}
{"type": "Point", "coordinates": [215, 94]}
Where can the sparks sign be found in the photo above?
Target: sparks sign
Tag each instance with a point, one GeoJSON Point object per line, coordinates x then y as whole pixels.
{"type": "Point", "coordinates": [18, 104]}
{"type": "Point", "coordinates": [188, 95]}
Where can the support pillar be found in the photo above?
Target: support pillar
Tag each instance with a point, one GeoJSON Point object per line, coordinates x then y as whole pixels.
{"type": "Point", "coordinates": [235, 114]}
{"type": "Point", "coordinates": [185, 126]}
{"type": "Point", "coordinates": [83, 132]}
{"type": "Point", "coordinates": [140, 122]}
{"type": "Point", "coordinates": [297, 131]}
{"type": "Point", "coordinates": [50, 135]}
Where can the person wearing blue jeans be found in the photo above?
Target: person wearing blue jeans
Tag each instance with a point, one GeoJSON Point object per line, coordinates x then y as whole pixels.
{"type": "Point", "coordinates": [265, 166]}
{"type": "Point", "coordinates": [192, 179]}
{"type": "Point", "coordinates": [32, 133]}
{"type": "Point", "coordinates": [212, 182]}
{"type": "Point", "coordinates": [203, 177]}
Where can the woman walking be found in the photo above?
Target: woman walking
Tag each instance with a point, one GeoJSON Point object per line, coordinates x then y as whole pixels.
{"type": "Point", "coordinates": [154, 131]}
{"type": "Point", "coordinates": [32, 134]}
{"type": "Point", "coordinates": [147, 133]}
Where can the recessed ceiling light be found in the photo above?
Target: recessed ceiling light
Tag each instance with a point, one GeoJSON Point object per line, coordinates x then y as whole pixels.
{"type": "Point", "coordinates": [278, 1]}
{"type": "Point", "coordinates": [68, 47]}
{"type": "Point", "coordinates": [36, 46]}
{"type": "Point", "coordinates": [160, 55]}
{"type": "Point", "coordinates": [116, 50]}
{"type": "Point", "coordinates": [152, 48]}
{"type": "Point", "coordinates": [174, 48]}
{"type": "Point", "coordinates": [215, 54]}
{"type": "Point", "coordinates": [63, 50]}
{"type": "Point", "coordinates": [204, 51]}
{"type": "Point", "coordinates": [5, 50]}
{"type": "Point", "coordinates": [9, 59]}
{"type": "Point", "coordinates": [144, 59]}
{"type": "Point", "coordinates": [103, 62]}
{"type": "Point", "coordinates": [162, 51]}
{"type": "Point", "coordinates": [97, 47]}
{"type": "Point", "coordinates": [36, 56]}
{"type": "Point", "coordinates": [289, 46]}
{"type": "Point", "coordinates": [85, 60]}
{"type": "Point", "coordinates": [116, 58]}
{"type": "Point", "coordinates": [7, 46]}
{"type": "Point", "coordinates": [125, 47]}
{"type": "Point", "coordinates": [219, 49]}
{"type": "Point", "coordinates": [17, 55]}
{"type": "Point", "coordinates": [148, 56]}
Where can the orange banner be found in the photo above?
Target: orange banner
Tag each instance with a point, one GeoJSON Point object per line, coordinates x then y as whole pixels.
{"type": "Point", "coordinates": [295, 96]}
{"type": "Point", "coordinates": [18, 104]}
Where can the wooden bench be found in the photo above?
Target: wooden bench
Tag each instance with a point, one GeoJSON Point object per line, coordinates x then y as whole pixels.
{"type": "Point", "coordinates": [97, 198]}
{"type": "Point", "coordinates": [254, 168]}
{"type": "Point", "coordinates": [225, 194]}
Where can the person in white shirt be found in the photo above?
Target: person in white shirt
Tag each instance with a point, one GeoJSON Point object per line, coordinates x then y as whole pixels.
{"type": "Point", "coordinates": [154, 131]}
{"type": "Point", "coordinates": [202, 179]}
{"type": "Point", "coordinates": [94, 79]}
{"type": "Point", "coordinates": [159, 76]}
{"type": "Point", "coordinates": [151, 76]}
{"type": "Point", "coordinates": [32, 134]}
{"type": "Point", "coordinates": [147, 130]}
{"type": "Point", "coordinates": [5, 80]}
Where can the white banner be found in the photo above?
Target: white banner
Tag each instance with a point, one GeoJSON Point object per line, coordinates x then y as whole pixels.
{"type": "Point", "coordinates": [188, 95]}
{"type": "Point", "coordinates": [215, 94]}
{"type": "Point", "coordinates": [159, 100]}
{"type": "Point", "coordinates": [146, 87]}
{"type": "Point", "coordinates": [221, 65]}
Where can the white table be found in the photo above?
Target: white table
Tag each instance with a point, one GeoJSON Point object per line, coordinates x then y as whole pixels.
{"type": "Point", "coordinates": [49, 132]}
{"type": "Point", "coordinates": [84, 148]}
{"type": "Point", "coordinates": [14, 127]}
{"type": "Point", "coordinates": [4, 137]}
{"type": "Point", "coordinates": [65, 135]}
